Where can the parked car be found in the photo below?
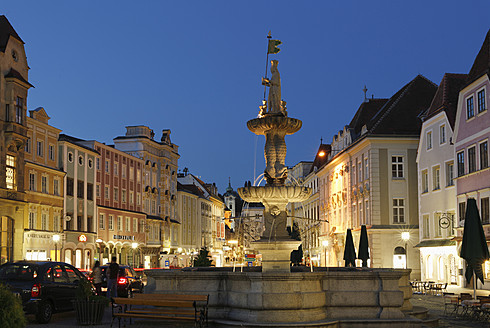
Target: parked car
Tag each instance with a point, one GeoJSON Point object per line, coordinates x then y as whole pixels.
{"type": "Point", "coordinates": [44, 287]}
{"type": "Point", "coordinates": [128, 281]}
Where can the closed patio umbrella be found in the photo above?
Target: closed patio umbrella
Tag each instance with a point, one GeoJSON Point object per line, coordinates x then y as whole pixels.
{"type": "Point", "coordinates": [349, 250]}
{"type": "Point", "coordinates": [363, 251]}
{"type": "Point", "coordinates": [474, 247]}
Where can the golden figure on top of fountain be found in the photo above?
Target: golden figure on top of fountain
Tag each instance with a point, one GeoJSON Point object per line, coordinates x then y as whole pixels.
{"type": "Point", "coordinates": [274, 123]}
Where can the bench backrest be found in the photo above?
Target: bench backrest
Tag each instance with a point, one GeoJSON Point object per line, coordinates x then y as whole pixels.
{"type": "Point", "coordinates": [172, 297]}
{"type": "Point", "coordinates": [153, 302]}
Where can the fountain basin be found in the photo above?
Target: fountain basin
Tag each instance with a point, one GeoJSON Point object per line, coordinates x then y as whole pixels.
{"type": "Point", "coordinates": [274, 194]}
{"type": "Point", "coordinates": [278, 123]}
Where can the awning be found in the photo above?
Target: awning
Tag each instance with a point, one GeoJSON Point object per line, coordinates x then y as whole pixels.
{"type": "Point", "coordinates": [436, 243]}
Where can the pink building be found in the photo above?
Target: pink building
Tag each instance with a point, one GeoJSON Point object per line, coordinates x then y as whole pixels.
{"type": "Point", "coordinates": [118, 191]}
{"type": "Point", "coordinates": [471, 137]}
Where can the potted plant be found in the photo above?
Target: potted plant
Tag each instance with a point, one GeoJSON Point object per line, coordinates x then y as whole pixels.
{"type": "Point", "coordinates": [11, 312]}
{"type": "Point", "coordinates": [89, 307]}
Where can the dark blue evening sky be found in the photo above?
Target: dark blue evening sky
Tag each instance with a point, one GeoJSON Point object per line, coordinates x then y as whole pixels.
{"type": "Point", "coordinates": [195, 66]}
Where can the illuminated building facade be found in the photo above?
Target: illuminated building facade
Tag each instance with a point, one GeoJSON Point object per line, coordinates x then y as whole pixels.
{"type": "Point", "coordinates": [371, 179]}
{"type": "Point", "coordinates": [437, 191]}
{"type": "Point", "coordinates": [44, 181]}
{"type": "Point", "coordinates": [13, 134]}
{"type": "Point", "coordinates": [471, 139]}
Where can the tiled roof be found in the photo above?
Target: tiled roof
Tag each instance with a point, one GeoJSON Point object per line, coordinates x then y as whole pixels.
{"type": "Point", "coordinates": [399, 115]}
{"type": "Point", "coordinates": [190, 188]}
{"type": "Point", "coordinates": [364, 114]}
{"type": "Point", "coordinates": [446, 97]}
{"type": "Point", "coordinates": [481, 65]}
{"type": "Point", "coordinates": [6, 31]}
{"type": "Point", "coordinates": [75, 141]}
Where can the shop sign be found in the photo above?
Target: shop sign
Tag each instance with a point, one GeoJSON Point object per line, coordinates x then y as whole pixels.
{"type": "Point", "coordinates": [250, 256]}
{"type": "Point", "coordinates": [123, 237]}
{"type": "Point", "coordinates": [82, 238]}
{"type": "Point", "coordinates": [39, 235]}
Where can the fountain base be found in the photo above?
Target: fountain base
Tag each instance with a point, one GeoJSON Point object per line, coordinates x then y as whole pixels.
{"type": "Point", "coordinates": [276, 255]}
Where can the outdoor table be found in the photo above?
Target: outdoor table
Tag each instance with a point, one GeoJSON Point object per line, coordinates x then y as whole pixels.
{"type": "Point", "coordinates": [485, 311]}
{"type": "Point", "coordinates": [470, 307]}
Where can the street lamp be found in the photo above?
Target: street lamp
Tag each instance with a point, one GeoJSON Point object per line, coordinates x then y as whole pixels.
{"type": "Point", "coordinates": [56, 239]}
{"type": "Point", "coordinates": [406, 238]}
{"type": "Point", "coordinates": [325, 244]}
{"type": "Point", "coordinates": [134, 246]}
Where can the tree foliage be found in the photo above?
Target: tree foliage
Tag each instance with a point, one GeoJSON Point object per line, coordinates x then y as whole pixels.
{"type": "Point", "coordinates": [203, 259]}
{"type": "Point", "coordinates": [11, 311]}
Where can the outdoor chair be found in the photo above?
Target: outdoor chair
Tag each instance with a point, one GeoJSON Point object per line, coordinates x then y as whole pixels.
{"type": "Point", "coordinates": [451, 302]}
{"type": "Point", "coordinates": [470, 308]}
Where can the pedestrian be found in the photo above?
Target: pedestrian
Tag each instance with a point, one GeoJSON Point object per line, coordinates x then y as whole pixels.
{"type": "Point", "coordinates": [96, 276]}
{"type": "Point", "coordinates": [112, 275]}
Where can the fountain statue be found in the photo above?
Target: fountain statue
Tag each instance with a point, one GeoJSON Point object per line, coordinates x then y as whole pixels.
{"type": "Point", "coordinates": [273, 122]}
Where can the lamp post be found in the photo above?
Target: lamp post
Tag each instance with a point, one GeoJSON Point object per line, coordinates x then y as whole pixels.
{"type": "Point", "coordinates": [56, 239]}
{"type": "Point", "coordinates": [325, 244]}
{"type": "Point", "coordinates": [406, 238]}
{"type": "Point", "coordinates": [134, 246]}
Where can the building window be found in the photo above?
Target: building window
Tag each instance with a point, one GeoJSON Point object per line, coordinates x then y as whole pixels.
{"type": "Point", "coordinates": [56, 187]}
{"type": "Point", "coordinates": [460, 157]}
{"type": "Point", "coordinates": [425, 226]}
{"type": "Point", "coordinates": [128, 224]}
{"type": "Point", "coordinates": [97, 191]}
{"type": "Point", "coordinates": [106, 192]}
{"type": "Point", "coordinates": [44, 222]}
{"type": "Point", "coordinates": [32, 182]}
{"type": "Point", "coordinates": [397, 166]}
{"type": "Point", "coordinates": [80, 160]}
{"type": "Point", "coordinates": [442, 134]}
{"type": "Point", "coordinates": [116, 167]}
{"type": "Point", "coordinates": [123, 196]}
{"type": "Point", "coordinates": [484, 210]}
{"type": "Point", "coordinates": [56, 223]}
{"type": "Point", "coordinates": [101, 221]}
{"type": "Point", "coordinates": [7, 113]}
{"type": "Point", "coordinates": [40, 148]}
{"type": "Point", "coordinates": [90, 191]}
{"type": "Point", "coordinates": [429, 140]}
{"type": "Point", "coordinates": [425, 181]}
{"type": "Point", "coordinates": [366, 205]}
{"type": "Point", "coordinates": [436, 177]}
{"type": "Point", "coordinates": [483, 155]}
{"type": "Point", "coordinates": [90, 163]}
{"type": "Point", "coordinates": [19, 110]}
{"type": "Point", "coordinates": [32, 220]}
{"type": "Point", "coordinates": [116, 194]}
{"type": "Point", "coordinates": [80, 191]}
{"type": "Point", "coordinates": [359, 165]}
{"type": "Point", "coordinates": [97, 163]}
{"type": "Point", "coordinates": [135, 225]}
{"type": "Point", "coordinates": [471, 159]}
{"type": "Point", "coordinates": [398, 210]}
{"type": "Point", "coordinates": [10, 172]}
{"type": "Point", "coordinates": [131, 198]}
{"type": "Point", "coordinates": [51, 152]}
{"type": "Point", "coordinates": [462, 211]}
{"type": "Point", "coordinates": [111, 222]}
{"type": "Point", "coordinates": [481, 101]}
{"type": "Point", "coordinates": [69, 186]}
{"type": "Point", "coordinates": [131, 173]}
{"type": "Point", "coordinates": [449, 174]}
{"type": "Point", "coordinates": [138, 199]}
{"type": "Point", "coordinates": [123, 172]}
{"type": "Point", "coordinates": [366, 168]}
{"type": "Point", "coordinates": [437, 226]}
{"type": "Point", "coordinates": [107, 164]}
{"type": "Point", "coordinates": [28, 145]}
{"type": "Point", "coordinates": [44, 184]}
{"type": "Point", "coordinates": [119, 223]}
{"type": "Point", "coordinates": [470, 111]}
{"type": "Point", "coordinates": [70, 157]}
{"type": "Point", "coordinates": [138, 176]}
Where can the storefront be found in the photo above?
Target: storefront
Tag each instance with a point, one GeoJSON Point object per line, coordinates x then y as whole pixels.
{"type": "Point", "coordinates": [79, 249]}
{"type": "Point", "coordinates": [42, 246]}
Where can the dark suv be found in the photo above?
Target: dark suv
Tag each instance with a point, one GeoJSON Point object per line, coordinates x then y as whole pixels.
{"type": "Point", "coordinates": [43, 287]}
{"type": "Point", "coordinates": [128, 281]}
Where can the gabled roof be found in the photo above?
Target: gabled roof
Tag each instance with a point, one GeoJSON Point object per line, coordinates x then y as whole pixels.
{"type": "Point", "coordinates": [481, 65]}
{"type": "Point", "coordinates": [16, 75]}
{"type": "Point", "coordinates": [446, 97]}
{"type": "Point", "coordinates": [190, 188]}
{"type": "Point", "coordinates": [321, 157]}
{"type": "Point", "coordinates": [399, 115]}
{"type": "Point", "coordinates": [364, 114]}
{"type": "Point", "coordinates": [6, 31]}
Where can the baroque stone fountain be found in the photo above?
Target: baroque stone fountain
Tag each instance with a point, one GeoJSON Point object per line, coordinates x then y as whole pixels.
{"type": "Point", "coordinates": [273, 122]}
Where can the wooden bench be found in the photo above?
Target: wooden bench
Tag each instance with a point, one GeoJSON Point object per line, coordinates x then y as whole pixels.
{"type": "Point", "coordinates": [162, 306]}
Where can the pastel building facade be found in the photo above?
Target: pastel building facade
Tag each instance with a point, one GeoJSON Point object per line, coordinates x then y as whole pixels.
{"type": "Point", "coordinates": [44, 181]}
{"type": "Point", "coordinates": [471, 139]}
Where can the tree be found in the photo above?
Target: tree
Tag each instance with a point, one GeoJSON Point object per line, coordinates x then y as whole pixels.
{"type": "Point", "coordinates": [203, 259]}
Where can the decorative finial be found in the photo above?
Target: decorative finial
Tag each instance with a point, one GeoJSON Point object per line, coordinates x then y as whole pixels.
{"type": "Point", "coordinates": [365, 91]}
{"type": "Point", "coordinates": [321, 141]}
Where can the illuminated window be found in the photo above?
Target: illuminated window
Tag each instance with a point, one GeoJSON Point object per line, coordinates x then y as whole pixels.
{"type": "Point", "coordinates": [425, 226]}
{"type": "Point", "coordinates": [101, 221]}
{"type": "Point", "coordinates": [135, 225]}
{"type": "Point", "coordinates": [10, 172]}
{"type": "Point", "coordinates": [44, 221]}
{"type": "Point", "coordinates": [119, 223]}
{"type": "Point", "coordinates": [128, 224]}
{"type": "Point", "coordinates": [32, 220]}
{"type": "Point", "coordinates": [398, 210]}
{"type": "Point", "coordinates": [111, 222]}
{"type": "Point", "coordinates": [437, 226]}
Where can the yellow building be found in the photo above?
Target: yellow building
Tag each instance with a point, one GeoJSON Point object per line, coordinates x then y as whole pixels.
{"type": "Point", "coordinates": [44, 189]}
{"type": "Point", "coordinates": [13, 131]}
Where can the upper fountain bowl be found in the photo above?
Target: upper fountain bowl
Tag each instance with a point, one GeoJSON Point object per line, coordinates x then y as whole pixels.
{"type": "Point", "coordinates": [278, 123]}
{"type": "Point", "coordinates": [272, 194]}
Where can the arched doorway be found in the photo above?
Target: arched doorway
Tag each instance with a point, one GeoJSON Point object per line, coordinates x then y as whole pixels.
{"type": "Point", "coordinates": [6, 239]}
